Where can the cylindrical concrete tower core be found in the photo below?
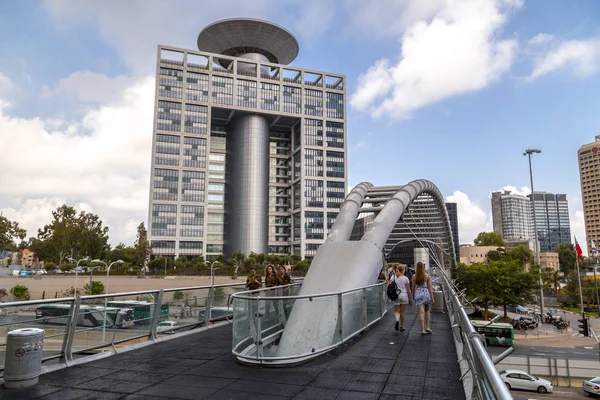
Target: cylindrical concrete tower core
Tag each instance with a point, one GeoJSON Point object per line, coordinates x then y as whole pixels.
{"type": "Point", "coordinates": [247, 208]}
{"type": "Point", "coordinates": [249, 68]}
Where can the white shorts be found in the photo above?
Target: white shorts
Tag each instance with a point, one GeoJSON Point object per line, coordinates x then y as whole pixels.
{"type": "Point", "coordinates": [402, 299]}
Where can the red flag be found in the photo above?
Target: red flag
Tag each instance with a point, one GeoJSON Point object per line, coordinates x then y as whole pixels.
{"type": "Point", "coordinates": [578, 249]}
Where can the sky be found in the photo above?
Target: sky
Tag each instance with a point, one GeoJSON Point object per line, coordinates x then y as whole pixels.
{"type": "Point", "coordinates": [447, 90]}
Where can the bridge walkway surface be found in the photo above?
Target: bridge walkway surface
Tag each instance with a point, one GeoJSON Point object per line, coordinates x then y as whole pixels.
{"type": "Point", "coordinates": [380, 364]}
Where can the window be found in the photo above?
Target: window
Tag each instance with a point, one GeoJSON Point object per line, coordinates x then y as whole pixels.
{"type": "Point", "coordinates": [164, 219]}
{"type": "Point", "coordinates": [190, 248]}
{"type": "Point", "coordinates": [196, 119]}
{"type": "Point", "coordinates": [335, 164]}
{"type": "Point", "coordinates": [169, 116]}
{"type": "Point", "coordinates": [216, 187]}
{"type": "Point", "coordinates": [214, 248]}
{"type": "Point", "coordinates": [170, 83]}
{"type": "Point", "coordinates": [216, 218]}
{"type": "Point", "coordinates": [335, 194]}
{"type": "Point", "coordinates": [311, 249]}
{"type": "Point", "coordinates": [167, 150]}
{"type": "Point", "coordinates": [313, 193]}
{"type": "Point", "coordinates": [194, 152]}
{"type": "Point", "coordinates": [196, 86]}
{"type": "Point", "coordinates": [331, 216]}
{"type": "Point", "coordinates": [313, 132]}
{"type": "Point", "coordinates": [222, 90]}
{"type": "Point", "coordinates": [292, 100]}
{"type": "Point", "coordinates": [215, 197]}
{"type": "Point", "coordinates": [192, 186]}
{"type": "Point", "coordinates": [335, 105]}
{"type": "Point", "coordinates": [247, 93]}
{"type": "Point", "coordinates": [313, 162]}
{"type": "Point", "coordinates": [160, 247]}
{"type": "Point", "coordinates": [165, 184]}
{"type": "Point", "coordinates": [191, 221]}
{"type": "Point", "coordinates": [313, 225]}
{"type": "Point", "coordinates": [217, 157]}
{"type": "Point", "coordinates": [269, 96]}
{"type": "Point", "coordinates": [313, 104]}
{"type": "Point", "coordinates": [334, 132]}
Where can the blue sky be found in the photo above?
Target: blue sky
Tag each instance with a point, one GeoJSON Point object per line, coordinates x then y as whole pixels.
{"type": "Point", "coordinates": [448, 90]}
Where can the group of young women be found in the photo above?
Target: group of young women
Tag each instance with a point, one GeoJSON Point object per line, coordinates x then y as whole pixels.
{"type": "Point", "coordinates": [418, 292]}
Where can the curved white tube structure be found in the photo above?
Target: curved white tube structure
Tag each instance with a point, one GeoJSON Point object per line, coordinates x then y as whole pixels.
{"type": "Point", "coordinates": [341, 264]}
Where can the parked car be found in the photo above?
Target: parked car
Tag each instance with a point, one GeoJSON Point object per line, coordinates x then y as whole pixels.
{"type": "Point", "coordinates": [515, 379]}
{"type": "Point", "coordinates": [521, 310]}
{"type": "Point", "coordinates": [591, 387]}
{"type": "Point", "coordinates": [167, 327]}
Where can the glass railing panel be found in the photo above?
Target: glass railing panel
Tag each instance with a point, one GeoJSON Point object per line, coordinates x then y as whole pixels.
{"type": "Point", "coordinates": [373, 303]}
{"type": "Point", "coordinates": [32, 315]}
{"type": "Point", "coordinates": [352, 307]}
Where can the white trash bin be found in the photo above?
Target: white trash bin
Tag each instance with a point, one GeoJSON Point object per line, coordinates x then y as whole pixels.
{"type": "Point", "coordinates": [24, 353]}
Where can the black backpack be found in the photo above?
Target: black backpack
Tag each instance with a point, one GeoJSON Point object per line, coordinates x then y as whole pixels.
{"type": "Point", "coordinates": [392, 292]}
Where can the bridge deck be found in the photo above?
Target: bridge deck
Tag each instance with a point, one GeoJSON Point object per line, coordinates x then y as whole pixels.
{"type": "Point", "coordinates": [382, 364]}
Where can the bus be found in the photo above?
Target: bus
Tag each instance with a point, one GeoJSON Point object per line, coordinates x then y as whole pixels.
{"type": "Point", "coordinates": [58, 314]}
{"type": "Point", "coordinates": [142, 310]}
{"type": "Point", "coordinates": [500, 334]}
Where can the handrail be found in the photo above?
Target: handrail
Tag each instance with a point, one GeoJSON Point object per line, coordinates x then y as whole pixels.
{"type": "Point", "coordinates": [70, 329]}
{"type": "Point", "coordinates": [254, 330]}
{"type": "Point", "coordinates": [487, 380]}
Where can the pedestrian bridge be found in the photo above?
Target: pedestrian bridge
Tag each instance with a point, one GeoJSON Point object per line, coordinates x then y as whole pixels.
{"type": "Point", "coordinates": [333, 332]}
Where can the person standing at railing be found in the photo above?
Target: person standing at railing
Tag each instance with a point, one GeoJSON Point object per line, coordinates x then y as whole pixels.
{"type": "Point", "coordinates": [423, 297]}
{"type": "Point", "coordinates": [270, 276]}
{"type": "Point", "coordinates": [253, 281]}
{"type": "Point", "coordinates": [404, 295]}
{"type": "Point", "coordinates": [283, 278]}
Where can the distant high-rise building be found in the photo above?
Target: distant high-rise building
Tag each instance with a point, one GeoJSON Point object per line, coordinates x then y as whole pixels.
{"type": "Point", "coordinates": [552, 218]}
{"type": "Point", "coordinates": [511, 214]}
{"type": "Point", "coordinates": [589, 175]}
{"type": "Point", "coordinates": [248, 152]}
{"type": "Point", "coordinates": [453, 216]}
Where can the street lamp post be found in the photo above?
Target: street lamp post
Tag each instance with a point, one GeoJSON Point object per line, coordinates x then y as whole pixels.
{"type": "Point", "coordinates": [72, 260]}
{"type": "Point", "coordinates": [106, 291]}
{"type": "Point", "coordinates": [212, 287]}
{"type": "Point", "coordinates": [528, 153]}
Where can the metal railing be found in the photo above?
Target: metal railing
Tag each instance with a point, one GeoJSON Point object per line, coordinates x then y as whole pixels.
{"type": "Point", "coordinates": [260, 316]}
{"type": "Point", "coordinates": [487, 382]}
{"type": "Point", "coordinates": [79, 326]}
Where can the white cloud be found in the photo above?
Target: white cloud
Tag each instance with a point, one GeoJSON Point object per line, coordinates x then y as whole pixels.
{"type": "Point", "coordinates": [453, 49]}
{"type": "Point", "coordinates": [578, 229]}
{"type": "Point", "coordinates": [89, 87]}
{"type": "Point", "coordinates": [472, 218]}
{"type": "Point", "coordinates": [582, 57]}
{"type": "Point", "coordinates": [541, 38]}
{"type": "Point", "coordinates": [101, 160]}
{"type": "Point", "coordinates": [6, 85]}
{"type": "Point", "coordinates": [524, 191]}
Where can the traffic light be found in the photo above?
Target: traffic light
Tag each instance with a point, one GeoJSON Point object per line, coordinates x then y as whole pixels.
{"type": "Point", "coordinates": [584, 326]}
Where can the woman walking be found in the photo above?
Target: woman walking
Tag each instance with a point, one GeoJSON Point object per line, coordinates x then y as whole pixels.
{"type": "Point", "coordinates": [423, 297]}
{"type": "Point", "coordinates": [404, 295]}
{"type": "Point", "coordinates": [270, 276]}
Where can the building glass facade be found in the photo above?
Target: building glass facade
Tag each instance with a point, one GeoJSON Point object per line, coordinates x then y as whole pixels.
{"type": "Point", "coordinates": [511, 214]}
{"type": "Point", "coordinates": [196, 103]}
{"type": "Point", "coordinates": [552, 218]}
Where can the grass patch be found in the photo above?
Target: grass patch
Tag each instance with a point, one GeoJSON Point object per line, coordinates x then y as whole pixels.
{"type": "Point", "coordinates": [589, 312]}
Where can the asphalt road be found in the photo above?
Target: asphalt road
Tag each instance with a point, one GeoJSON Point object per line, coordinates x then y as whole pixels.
{"type": "Point", "coordinates": [576, 353]}
{"type": "Point", "coordinates": [562, 393]}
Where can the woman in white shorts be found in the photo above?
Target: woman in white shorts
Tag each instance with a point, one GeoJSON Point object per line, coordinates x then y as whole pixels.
{"type": "Point", "coordinates": [404, 295]}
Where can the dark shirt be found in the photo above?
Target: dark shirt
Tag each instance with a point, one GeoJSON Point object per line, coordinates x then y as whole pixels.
{"type": "Point", "coordinates": [270, 280]}
{"type": "Point", "coordinates": [253, 282]}
{"type": "Point", "coordinates": [284, 280]}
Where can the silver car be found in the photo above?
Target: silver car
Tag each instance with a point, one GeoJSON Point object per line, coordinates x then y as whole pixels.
{"type": "Point", "coordinates": [516, 379]}
{"type": "Point", "coordinates": [592, 386]}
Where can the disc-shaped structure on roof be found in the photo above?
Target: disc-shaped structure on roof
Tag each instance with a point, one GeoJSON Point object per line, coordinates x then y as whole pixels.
{"type": "Point", "coordinates": [238, 36]}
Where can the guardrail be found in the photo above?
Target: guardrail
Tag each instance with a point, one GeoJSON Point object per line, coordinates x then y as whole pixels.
{"type": "Point", "coordinates": [76, 326]}
{"type": "Point", "coordinates": [260, 316]}
{"type": "Point", "coordinates": [487, 382]}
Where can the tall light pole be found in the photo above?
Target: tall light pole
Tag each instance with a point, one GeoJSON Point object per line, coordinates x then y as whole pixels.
{"type": "Point", "coordinates": [106, 291]}
{"type": "Point", "coordinates": [528, 153]}
{"type": "Point", "coordinates": [72, 260]}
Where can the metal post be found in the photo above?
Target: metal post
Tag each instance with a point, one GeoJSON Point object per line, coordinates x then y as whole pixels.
{"type": "Point", "coordinates": [67, 348]}
{"type": "Point", "coordinates": [259, 349]}
{"type": "Point", "coordinates": [535, 230]}
{"type": "Point", "coordinates": [596, 284]}
{"type": "Point", "coordinates": [568, 372]}
{"type": "Point", "coordinates": [580, 293]}
{"type": "Point", "coordinates": [340, 317]}
{"type": "Point", "coordinates": [156, 314]}
{"type": "Point", "coordinates": [209, 304]}
{"type": "Point", "coordinates": [364, 307]}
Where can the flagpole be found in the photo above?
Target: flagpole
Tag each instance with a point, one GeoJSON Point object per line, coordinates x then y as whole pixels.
{"type": "Point", "coordinates": [579, 279]}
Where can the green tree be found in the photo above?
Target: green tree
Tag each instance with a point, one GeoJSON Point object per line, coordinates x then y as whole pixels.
{"type": "Point", "coordinates": [489, 239]}
{"type": "Point", "coordinates": [122, 252]}
{"type": "Point", "coordinates": [497, 255]}
{"type": "Point", "coordinates": [20, 292]}
{"type": "Point", "coordinates": [10, 233]}
{"type": "Point", "coordinates": [142, 246]}
{"type": "Point", "coordinates": [566, 257]}
{"type": "Point", "coordinates": [97, 288]}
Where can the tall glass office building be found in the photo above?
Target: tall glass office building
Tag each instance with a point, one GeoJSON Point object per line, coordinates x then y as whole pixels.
{"type": "Point", "coordinates": [552, 218]}
{"type": "Point", "coordinates": [248, 153]}
{"type": "Point", "coordinates": [511, 215]}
